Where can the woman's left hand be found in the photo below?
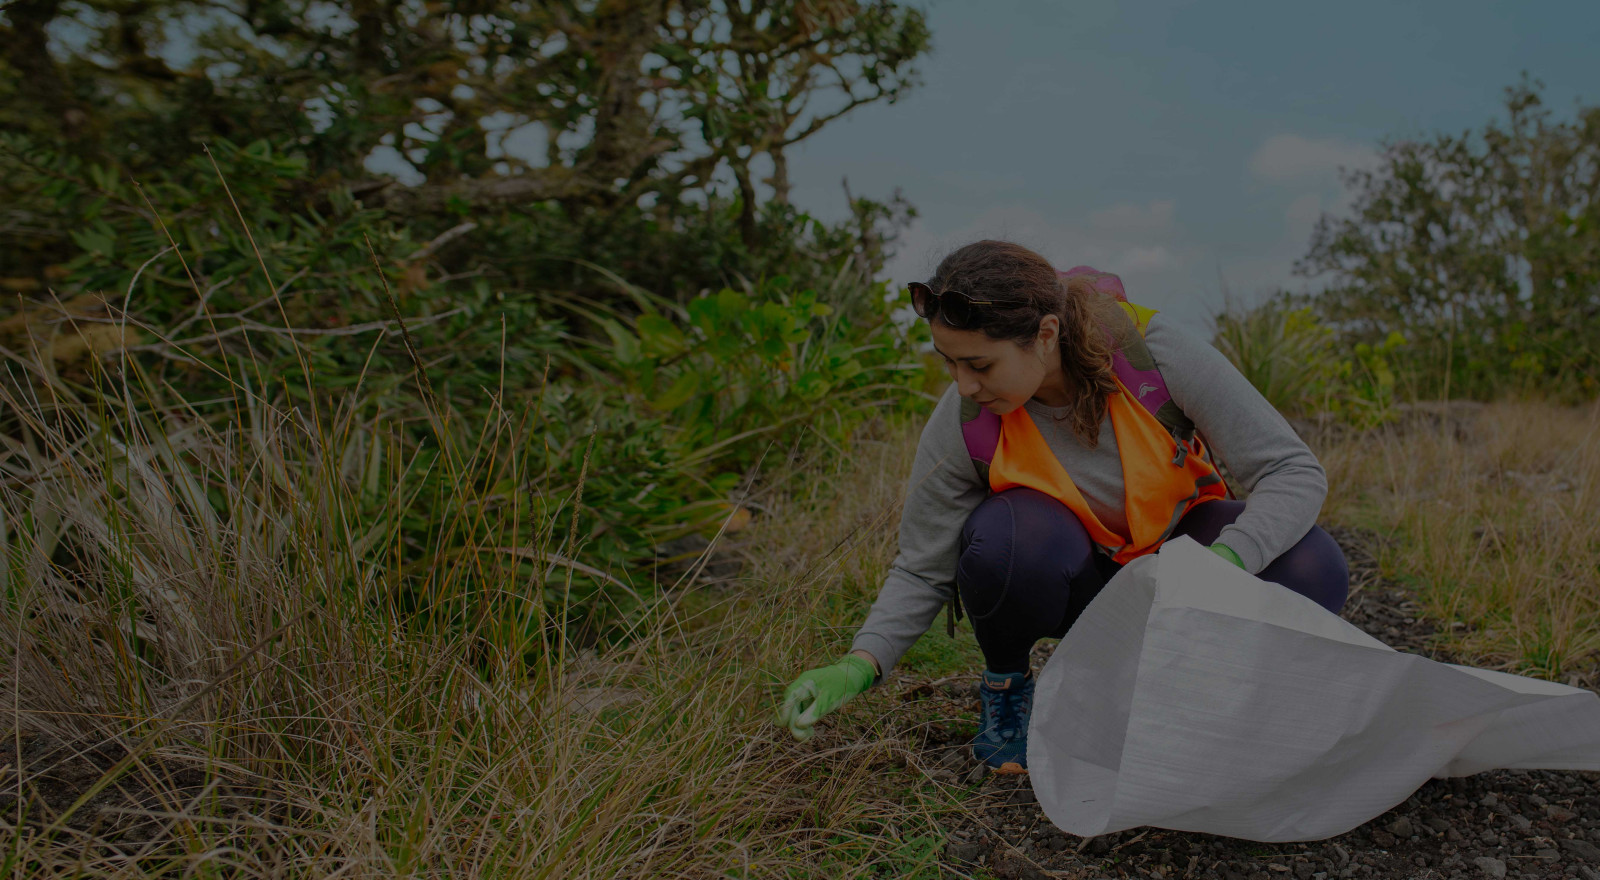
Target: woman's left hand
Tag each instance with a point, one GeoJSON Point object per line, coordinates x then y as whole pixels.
{"type": "Point", "coordinates": [1227, 553]}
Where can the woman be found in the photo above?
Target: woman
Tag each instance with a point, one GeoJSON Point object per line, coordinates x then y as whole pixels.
{"type": "Point", "coordinates": [1025, 545]}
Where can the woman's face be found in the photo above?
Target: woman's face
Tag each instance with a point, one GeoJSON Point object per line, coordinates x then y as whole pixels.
{"type": "Point", "coordinates": [1001, 374]}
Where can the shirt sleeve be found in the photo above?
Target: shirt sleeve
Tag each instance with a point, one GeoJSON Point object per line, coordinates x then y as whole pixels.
{"type": "Point", "coordinates": [943, 491]}
{"type": "Point", "coordinates": [1285, 482]}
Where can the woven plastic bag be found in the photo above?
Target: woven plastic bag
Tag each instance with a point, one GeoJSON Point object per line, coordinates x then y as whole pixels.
{"type": "Point", "coordinates": [1193, 696]}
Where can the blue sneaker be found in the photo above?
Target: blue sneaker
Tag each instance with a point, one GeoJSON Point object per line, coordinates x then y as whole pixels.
{"type": "Point", "coordinates": [1002, 740]}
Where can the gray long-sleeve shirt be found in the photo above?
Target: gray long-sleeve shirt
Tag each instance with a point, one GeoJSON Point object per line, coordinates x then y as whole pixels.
{"type": "Point", "coordinates": [1285, 483]}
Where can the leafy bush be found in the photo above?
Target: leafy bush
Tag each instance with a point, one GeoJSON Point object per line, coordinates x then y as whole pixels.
{"type": "Point", "coordinates": [659, 411]}
{"type": "Point", "coordinates": [1299, 366]}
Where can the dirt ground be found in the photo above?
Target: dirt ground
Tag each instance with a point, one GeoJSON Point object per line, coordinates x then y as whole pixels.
{"type": "Point", "coordinates": [1516, 824]}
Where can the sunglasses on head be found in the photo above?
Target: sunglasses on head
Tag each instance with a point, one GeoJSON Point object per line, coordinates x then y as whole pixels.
{"type": "Point", "coordinates": [958, 307]}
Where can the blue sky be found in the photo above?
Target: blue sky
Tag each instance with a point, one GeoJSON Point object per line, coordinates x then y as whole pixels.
{"type": "Point", "coordinates": [1165, 141]}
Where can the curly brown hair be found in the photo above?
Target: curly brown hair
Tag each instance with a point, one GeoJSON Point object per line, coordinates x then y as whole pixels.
{"type": "Point", "coordinates": [1023, 288]}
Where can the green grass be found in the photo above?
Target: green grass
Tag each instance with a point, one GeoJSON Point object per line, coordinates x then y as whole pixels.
{"type": "Point", "coordinates": [937, 655]}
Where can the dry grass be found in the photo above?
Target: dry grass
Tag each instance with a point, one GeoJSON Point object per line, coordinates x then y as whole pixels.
{"type": "Point", "coordinates": [1494, 516]}
{"type": "Point", "coordinates": [263, 649]}
{"type": "Point", "coordinates": [325, 729]}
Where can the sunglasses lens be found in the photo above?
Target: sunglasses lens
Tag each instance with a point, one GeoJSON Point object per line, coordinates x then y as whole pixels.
{"type": "Point", "coordinates": [922, 299]}
{"type": "Point", "coordinates": [957, 310]}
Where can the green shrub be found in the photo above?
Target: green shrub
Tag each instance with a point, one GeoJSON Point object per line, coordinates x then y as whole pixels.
{"type": "Point", "coordinates": [661, 412]}
{"type": "Point", "coordinates": [1284, 351]}
{"type": "Point", "coordinates": [1300, 367]}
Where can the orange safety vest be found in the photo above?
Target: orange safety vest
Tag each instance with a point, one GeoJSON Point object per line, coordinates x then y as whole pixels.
{"type": "Point", "coordinates": [1163, 477]}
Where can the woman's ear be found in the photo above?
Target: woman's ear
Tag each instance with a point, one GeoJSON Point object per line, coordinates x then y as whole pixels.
{"type": "Point", "coordinates": [1049, 332]}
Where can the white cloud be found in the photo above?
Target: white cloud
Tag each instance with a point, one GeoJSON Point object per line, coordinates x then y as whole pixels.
{"type": "Point", "coordinates": [1292, 159]}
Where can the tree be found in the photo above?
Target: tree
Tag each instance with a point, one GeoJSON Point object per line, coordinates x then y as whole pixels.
{"type": "Point", "coordinates": [558, 292]}
{"type": "Point", "coordinates": [1484, 254]}
{"type": "Point", "coordinates": [641, 105]}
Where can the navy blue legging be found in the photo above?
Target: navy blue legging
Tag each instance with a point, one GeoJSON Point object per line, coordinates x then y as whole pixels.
{"type": "Point", "coordinates": [1027, 569]}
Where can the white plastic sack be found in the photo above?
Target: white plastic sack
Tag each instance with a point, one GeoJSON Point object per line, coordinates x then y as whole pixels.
{"type": "Point", "coordinates": [1193, 696]}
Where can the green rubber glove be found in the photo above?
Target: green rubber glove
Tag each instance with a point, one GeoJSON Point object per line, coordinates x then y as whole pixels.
{"type": "Point", "coordinates": [1227, 553]}
{"type": "Point", "coordinates": [820, 691]}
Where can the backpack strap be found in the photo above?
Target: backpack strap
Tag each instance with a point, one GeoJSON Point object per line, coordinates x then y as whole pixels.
{"type": "Point", "coordinates": [980, 428]}
{"type": "Point", "coordinates": [1133, 363]}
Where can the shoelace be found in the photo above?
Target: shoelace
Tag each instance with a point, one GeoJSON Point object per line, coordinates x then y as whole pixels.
{"type": "Point", "coordinates": [1007, 710]}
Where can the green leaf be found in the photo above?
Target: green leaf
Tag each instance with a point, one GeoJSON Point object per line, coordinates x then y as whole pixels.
{"type": "Point", "coordinates": [95, 241]}
{"type": "Point", "coordinates": [681, 391]}
{"type": "Point", "coordinates": [732, 302]}
{"type": "Point", "coordinates": [811, 385]}
{"type": "Point", "coordinates": [658, 336]}
{"type": "Point", "coordinates": [624, 344]}
{"type": "Point", "coordinates": [703, 313]}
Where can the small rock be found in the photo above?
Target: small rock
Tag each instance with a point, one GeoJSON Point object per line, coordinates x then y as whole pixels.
{"type": "Point", "coordinates": [1523, 823]}
{"type": "Point", "coordinates": [1009, 865]}
{"type": "Point", "coordinates": [1341, 856]}
{"type": "Point", "coordinates": [1401, 828]}
{"type": "Point", "coordinates": [1559, 814]}
{"type": "Point", "coordinates": [1583, 849]}
{"type": "Point", "coordinates": [964, 853]}
{"type": "Point", "coordinates": [1588, 873]}
{"type": "Point", "coordinates": [1383, 838]}
{"type": "Point", "coordinates": [1453, 836]}
{"type": "Point", "coordinates": [1490, 800]}
{"type": "Point", "coordinates": [976, 774]}
{"type": "Point", "coordinates": [1438, 823]}
{"type": "Point", "coordinates": [1549, 855]}
{"type": "Point", "coordinates": [1096, 846]}
{"type": "Point", "coordinates": [1021, 796]}
{"type": "Point", "coordinates": [1493, 867]}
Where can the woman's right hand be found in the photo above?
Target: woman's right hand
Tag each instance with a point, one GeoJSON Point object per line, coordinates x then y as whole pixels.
{"type": "Point", "coordinates": [820, 691]}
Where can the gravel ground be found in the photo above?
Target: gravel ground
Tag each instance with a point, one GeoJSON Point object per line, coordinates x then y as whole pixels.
{"type": "Point", "coordinates": [1508, 823]}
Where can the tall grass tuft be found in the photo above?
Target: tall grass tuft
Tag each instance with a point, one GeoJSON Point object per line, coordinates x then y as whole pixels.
{"type": "Point", "coordinates": [1284, 352]}
{"type": "Point", "coordinates": [216, 604]}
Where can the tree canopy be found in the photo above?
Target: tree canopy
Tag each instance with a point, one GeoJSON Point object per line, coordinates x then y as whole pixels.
{"type": "Point", "coordinates": [640, 111]}
{"type": "Point", "coordinates": [1483, 252]}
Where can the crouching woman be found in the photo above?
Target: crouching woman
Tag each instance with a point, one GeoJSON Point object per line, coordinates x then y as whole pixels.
{"type": "Point", "coordinates": [1052, 460]}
